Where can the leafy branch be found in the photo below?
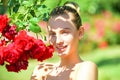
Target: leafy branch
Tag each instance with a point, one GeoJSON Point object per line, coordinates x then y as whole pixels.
{"type": "Point", "coordinates": [26, 13]}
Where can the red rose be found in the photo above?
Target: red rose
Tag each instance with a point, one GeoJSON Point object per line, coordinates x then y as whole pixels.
{"type": "Point", "coordinates": [1, 55]}
{"type": "Point", "coordinates": [16, 67]}
{"type": "Point", "coordinates": [38, 49]}
{"type": "Point", "coordinates": [24, 56]}
{"type": "Point", "coordinates": [9, 32]}
{"type": "Point", "coordinates": [23, 41]}
{"type": "Point", "coordinates": [47, 54]}
{"type": "Point", "coordinates": [21, 63]}
{"type": "Point", "coordinates": [19, 47]}
{"type": "Point", "coordinates": [2, 42]}
{"type": "Point", "coordinates": [11, 53]}
{"type": "Point", "coordinates": [3, 22]}
{"type": "Point", "coordinates": [12, 67]}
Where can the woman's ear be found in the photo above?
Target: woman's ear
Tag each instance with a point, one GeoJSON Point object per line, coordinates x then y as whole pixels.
{"type": "Point", "coordinates": [81, 32]}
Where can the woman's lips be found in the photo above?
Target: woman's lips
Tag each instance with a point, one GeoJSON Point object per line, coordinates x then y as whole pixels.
{"type": "Point", "coordinates": [61, 48]}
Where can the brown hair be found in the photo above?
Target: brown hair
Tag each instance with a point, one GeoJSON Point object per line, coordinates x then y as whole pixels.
{"type": "Point", "coordinates": [68, 7]}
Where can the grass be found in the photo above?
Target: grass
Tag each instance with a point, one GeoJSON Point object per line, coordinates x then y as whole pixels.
{"type": "Point", "coordinates": [23, 75]}
{"type": "Point", "coordinates": [109, 72]}
{"type": "Point", "coordinates": [106, 71]}
{"type": "Point", "coordinates": [108, 61]}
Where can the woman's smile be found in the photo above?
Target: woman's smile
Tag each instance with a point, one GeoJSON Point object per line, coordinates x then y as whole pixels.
{"type": "Point", "coordinates": [61, 49]}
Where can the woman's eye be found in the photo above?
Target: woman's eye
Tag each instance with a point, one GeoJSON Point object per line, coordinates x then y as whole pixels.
{"type": "Point", "coordinates": [65, 32]}
{"type": "Point", "coordinates": [52, 34]}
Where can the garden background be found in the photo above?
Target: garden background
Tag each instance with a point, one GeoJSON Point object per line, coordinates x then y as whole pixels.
{"type": "Point", "coordinates": [101, 42]}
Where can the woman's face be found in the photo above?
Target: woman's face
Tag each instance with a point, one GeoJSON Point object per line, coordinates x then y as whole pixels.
{"type": "Point", "coordinates": [63, 35]}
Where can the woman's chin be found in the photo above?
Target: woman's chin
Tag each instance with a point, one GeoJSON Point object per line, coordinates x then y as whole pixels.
{"type": "Point", "coordinates": [60, 53]}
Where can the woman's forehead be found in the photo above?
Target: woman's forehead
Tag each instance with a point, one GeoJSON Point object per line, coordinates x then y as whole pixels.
{"type": "Point", "coordinates": [60, 22]}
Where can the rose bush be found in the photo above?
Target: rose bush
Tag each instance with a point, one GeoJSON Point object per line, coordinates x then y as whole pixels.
{"type": "Point", "coordinates": [17, 47]}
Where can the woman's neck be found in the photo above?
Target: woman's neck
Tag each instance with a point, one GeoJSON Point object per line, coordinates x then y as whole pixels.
{"type": "Point", "coordinates": [70, 60]}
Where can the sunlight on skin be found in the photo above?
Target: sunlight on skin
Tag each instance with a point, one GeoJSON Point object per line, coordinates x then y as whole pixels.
{"type": "Point", "coordinates": [64, 35]}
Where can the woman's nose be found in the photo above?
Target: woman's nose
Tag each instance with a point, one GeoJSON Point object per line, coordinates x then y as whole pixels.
{"type": "Point", "coordinates": [59, 40]}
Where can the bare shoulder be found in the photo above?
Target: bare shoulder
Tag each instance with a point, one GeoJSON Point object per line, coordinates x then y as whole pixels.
{"type": "Point", "coordinates": [88, 64]}
{"type": "Point", "coordinates": [87, 70]}
{"type": "Point", "coordinates": [41, 70]}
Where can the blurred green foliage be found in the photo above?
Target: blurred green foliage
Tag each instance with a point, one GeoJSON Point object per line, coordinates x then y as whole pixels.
{"type": "Point", "coordinates": [92, 7]}
{"type": "Point", "coordinates": [87, 6]}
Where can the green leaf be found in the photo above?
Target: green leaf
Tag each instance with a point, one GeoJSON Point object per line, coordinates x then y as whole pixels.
{"type": "Point", "coordinates": [22, 10]}
{"type": "Point", "coordinates": [11, 3]}
{"type": "Point", "coordinates": [20, 25]}
{"type": "Point", "coordinates": [34, 28]}
{"type": "Point", "coordinates": [16, 7]}
{"type": "Point", "coordinates": [34, 20]}
{"type": "Point", "coordinates": [27, 3]}
{"type": "Point", "coordinates": [51, 4]}
{"type": "Point", "coordinates": [32, 13]}
{"type": "Point", "coordinates": [2, 9]}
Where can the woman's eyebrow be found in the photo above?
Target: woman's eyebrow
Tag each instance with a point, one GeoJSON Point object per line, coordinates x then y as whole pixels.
{"type": "Point", "coordinates": [67, 28]}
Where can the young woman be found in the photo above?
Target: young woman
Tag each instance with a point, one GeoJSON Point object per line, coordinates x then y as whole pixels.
{"type": "Point", "coordinates": [65, 30]}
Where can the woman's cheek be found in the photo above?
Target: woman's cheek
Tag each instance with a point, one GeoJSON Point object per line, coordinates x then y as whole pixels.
{"type": "Point", "coordinates": [68, 38]}
{"type": "Point", "coordinates": [52, 40]}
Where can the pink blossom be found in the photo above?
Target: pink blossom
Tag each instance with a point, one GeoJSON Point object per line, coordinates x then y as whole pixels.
{"type": "Point", "coordinates": [116, 27]}
{"type": "Point", "coordinates": [100, 28]}
{"type": "Point", "coordinates": [86, 26]}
